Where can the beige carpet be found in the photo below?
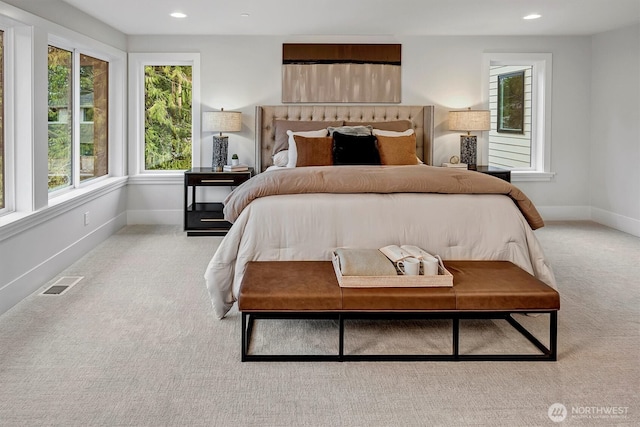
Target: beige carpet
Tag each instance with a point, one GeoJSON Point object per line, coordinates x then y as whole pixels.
{"type": "Point", "coordinates": [135, 343]}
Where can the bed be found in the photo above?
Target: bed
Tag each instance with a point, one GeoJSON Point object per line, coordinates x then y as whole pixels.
{"type": "Point", "coordinates": [305, 213]}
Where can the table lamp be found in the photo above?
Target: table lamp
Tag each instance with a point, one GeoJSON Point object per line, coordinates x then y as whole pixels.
{"type": "Point", "coordinates": [469, 120]}
{"type": "Point", "coordinates": [221, 121]}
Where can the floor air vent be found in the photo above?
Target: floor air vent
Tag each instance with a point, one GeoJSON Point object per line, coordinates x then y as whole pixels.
{"type": "Point", "coordinates": [62, 285]}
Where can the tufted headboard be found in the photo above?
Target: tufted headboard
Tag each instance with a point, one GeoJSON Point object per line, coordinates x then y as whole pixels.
{"type": "Point", "coordinates": [420, 116]}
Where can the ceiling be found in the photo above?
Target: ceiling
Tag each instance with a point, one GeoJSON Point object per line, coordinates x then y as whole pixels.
{"type": "Point", "coordinates": [363, 17]}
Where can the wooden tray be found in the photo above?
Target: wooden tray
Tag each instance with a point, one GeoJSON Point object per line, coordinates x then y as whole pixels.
{"type": "Point", "coordinates": [443, 279]}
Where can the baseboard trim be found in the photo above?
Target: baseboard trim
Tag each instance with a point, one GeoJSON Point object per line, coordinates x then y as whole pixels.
{"type": "Point", "coordinates": [588, 213]}
{"type": "Point", "coordinates": [565, 213]}
{"type": "Point", "coordinates": [613, 220]}
{"type": "Point", "coordinates": [32, 280]}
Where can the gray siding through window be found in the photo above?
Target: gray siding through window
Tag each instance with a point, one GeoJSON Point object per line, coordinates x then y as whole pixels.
{"type": "Point", "coordinates": [510, 150]}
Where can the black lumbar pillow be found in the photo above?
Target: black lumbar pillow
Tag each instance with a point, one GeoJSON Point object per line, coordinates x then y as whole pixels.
{"type": "Point", "coordinates": [355, 150]}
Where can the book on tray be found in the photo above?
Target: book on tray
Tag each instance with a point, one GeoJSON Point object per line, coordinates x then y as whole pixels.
{"type": "Point", "coordinates": [235, 168]}
{"type": "Point", "coordinates": [397, 253]}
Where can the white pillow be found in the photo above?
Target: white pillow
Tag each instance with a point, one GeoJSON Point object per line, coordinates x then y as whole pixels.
{"type": "Point", "coordinates": [281, 158]}
{"type": "Point", "coordinates": [293, 149]}
{"type": "Point", "coordinates": [392, 133]}
{"type": "Point", "coordinates": [351, 130]}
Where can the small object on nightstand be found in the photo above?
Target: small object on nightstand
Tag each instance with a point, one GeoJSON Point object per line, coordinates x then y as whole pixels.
{"type": "Point", "coordinates": [235, 168]}
{"type": "Point", "coordinates": [454, 160]}
{"type": "Point", "coordinates": [455, 165]}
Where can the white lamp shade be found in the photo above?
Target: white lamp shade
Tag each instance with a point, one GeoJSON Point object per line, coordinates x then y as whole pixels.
{"type": "Point", "coordinates": [222, 121]}
{"type": "Point", "coordinates": [469, 120]}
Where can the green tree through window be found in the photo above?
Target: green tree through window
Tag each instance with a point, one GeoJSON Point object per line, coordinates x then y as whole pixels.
{"type": "Point", "coordinates": [168, 130]}
{"type": "Point", "coordinates": [94, 117]}
{"type": "Point", "coordinates": [60, 118]}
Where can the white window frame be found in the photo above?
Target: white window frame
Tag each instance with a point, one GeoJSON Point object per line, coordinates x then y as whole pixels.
{"type": "Point", "coordinates": [9, 117]}
{"type": "Point", "coordinates": [137, 63]}
{"type": "Point", "coordinates": [75, 114]}
{"type": "Point", "coordinates": [541, 110]}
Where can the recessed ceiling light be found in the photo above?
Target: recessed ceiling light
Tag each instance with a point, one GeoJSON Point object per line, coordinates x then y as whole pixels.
{"type": "Point", "coordinates": [533, 16]}
{"type": "Point", "coordinates": [244, 15]}
{"type": "Point", "coordinates": [178, 15]}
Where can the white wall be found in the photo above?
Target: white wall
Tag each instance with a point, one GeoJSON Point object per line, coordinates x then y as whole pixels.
{"type": "Point", "coordinates": [614, 162]}
{"type": "Point", "coordinates": [240, 72]}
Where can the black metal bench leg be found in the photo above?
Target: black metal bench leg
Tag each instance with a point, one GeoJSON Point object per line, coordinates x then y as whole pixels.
{"type": "Point", "coordinates": [341, 337]}
{"type": "Point", "coordinates": [553, 336]}
{"type": "Point", "coordinates": [251, 319]}
{"type": "Point", "coordinates": [247, 329]}
{"type": "Point", "coordinates": [456, 337]}
{"type": "Point", "coordinates": [244, 337]}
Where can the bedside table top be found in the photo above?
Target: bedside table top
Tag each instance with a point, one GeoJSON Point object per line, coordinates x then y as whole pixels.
{"type": "Point", "coordinates": [210, 170]}
{"type": "Point", "coordinates": [490, 169]}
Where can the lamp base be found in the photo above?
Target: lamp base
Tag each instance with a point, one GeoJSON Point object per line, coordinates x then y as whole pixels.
{"type": "Point", "coordinates": [468, 150]}
{"type": "Point", "coordinates": [220, 152]}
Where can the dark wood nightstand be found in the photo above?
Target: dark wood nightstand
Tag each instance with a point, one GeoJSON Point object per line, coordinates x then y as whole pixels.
{"type": "Point", "coordinates": [206, 218]}
{"type": "Point", "coordinates": [497, 172]}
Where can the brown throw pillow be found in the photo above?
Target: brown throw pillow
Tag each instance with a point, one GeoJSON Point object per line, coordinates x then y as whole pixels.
{"type": "Point", "coordinates": [397, 150]}
{"type": "Point", "coordinates": [314, 151]}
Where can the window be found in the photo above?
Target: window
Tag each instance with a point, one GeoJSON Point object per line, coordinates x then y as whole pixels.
{"type": "Point", "coordinates": [517, 89]}
{"type": "Point", "coordinates": [164, 113]}
{"type": "Point", "coordinates": [168, 116]}
{"type": "Point", "coordinates": [511, 102]}
{"type": "Point", "coordinates": [510, 105]}
{"type": "Point", "coordinates": [62, 120]}
{"type": "Point", "coordinates": [77, 151]}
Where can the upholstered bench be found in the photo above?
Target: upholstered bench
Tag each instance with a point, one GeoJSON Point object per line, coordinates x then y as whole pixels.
{"type": "Point", "coordinates": [481, 290]}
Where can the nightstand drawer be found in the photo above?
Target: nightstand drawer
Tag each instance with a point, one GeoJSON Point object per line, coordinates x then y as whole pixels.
{"type": "Point", "coordinates": [228, 179]}
{"type": "Point", "coordinates": [207, 215]}
{"type": "Point", "coordinates": [504, 174]}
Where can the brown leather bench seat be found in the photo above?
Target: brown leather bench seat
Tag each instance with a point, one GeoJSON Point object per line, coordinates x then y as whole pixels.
{"type": "Point", "coordinates": [312, 286]}
{"type": "Point", "coordinates": [481, 289]}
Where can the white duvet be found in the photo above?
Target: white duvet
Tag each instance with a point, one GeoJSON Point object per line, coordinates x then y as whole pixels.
{"type": "Point", "coordinates": [311, 226]}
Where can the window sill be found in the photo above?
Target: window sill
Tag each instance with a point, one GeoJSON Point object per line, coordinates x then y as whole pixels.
{"type": "Point", "coordinates": [529, 176]}
{"type": "Point", "coordinates": [17, 222]}
{"type": "Point", "coordinates": [169, 178]}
